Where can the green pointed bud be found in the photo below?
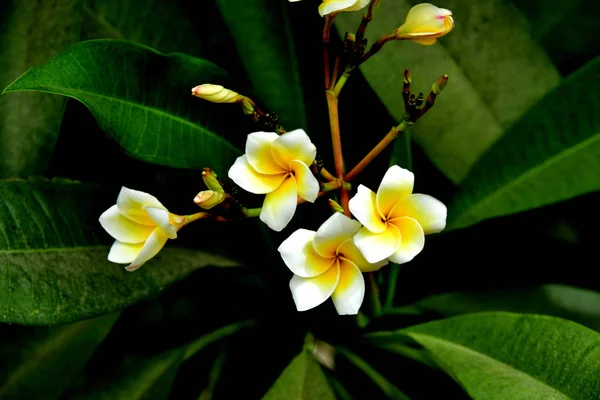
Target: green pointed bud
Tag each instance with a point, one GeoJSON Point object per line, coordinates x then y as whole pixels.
{"type": "Point", "coordinates": [350, 37]}
{"type": "Point", "coordinates": [207, 199]}
{"type": "Point", "coordinates": [248, 106]}
{"type": "Point", "coordinates": [210, 180]}
{"type": "Point", "coordinates": [407, 77]}
{"type": "Point", "coordinates": [439, 85]}
{"type": "Point", "coordinates": [335, 207]}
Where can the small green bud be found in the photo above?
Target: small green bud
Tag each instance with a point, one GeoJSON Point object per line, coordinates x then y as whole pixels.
{"type": "Point", "coordinates": [407, 77]}
{"type": "Point", "coordinates": [207, 199]}
{"type": "Point", "coordinates": [439, 85]}
{"type": "Point", "coordinates": [210, 180]}
{"type": "Point", "coordinates": [335, 207]}
{"type": "Point", "coordinates": [248, 106]}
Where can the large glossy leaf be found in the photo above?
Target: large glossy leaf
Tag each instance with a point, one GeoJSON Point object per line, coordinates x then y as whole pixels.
{"type": "Point", "coordinates": [576, 304]}
{"type": "Point", "coordinates": [504, 356]}
{"type": "Point", "coordinates": [550, 155]}
{"type": "Point", "coordinates": [53, 265]}
{"type": "Point", "coordinates": [497, 71]}
{"type": "Point", "coordinates": [152, 377]}
{"type": "Point", "coordinates": [31, 32]}
{"type": "Point", "coordinates": [162, 25]}
{"type": "Point", "coordinates": [39, 363]}
{"type": "Point", "coordinates": [264, 43]}
{"type": "Point", "coordinates": [141, 98]}
{"type": "Point", "coordinates": [302, 379]}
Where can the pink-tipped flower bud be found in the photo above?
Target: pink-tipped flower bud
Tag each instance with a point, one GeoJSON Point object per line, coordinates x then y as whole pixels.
{"type": "Point", "coordinates": [216, 94]}
{"type": "Point", "coordinates": [425, 23]}
{"type": "Point", "coordinates": [208, 199]}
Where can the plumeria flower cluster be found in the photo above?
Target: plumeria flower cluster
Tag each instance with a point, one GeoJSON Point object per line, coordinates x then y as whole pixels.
{"type": "Point", "coordinates": [389, 225]}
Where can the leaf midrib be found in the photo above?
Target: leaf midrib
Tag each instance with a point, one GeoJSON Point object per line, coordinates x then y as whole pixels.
{"type": "Point", "coordinates": [448, 343]}
{"type": "Point", "coordinates": [71, 93]}
{"type": "Point", "coordinates": [525, 175]}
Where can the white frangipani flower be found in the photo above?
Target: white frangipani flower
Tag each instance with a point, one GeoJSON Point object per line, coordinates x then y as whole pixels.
{"type": "Point", "coordinates": [277, 166]}
{"type": "Point", "coordinates": [332, 6]}
{"type": "Point", "coordinates": [141, 226]}
{"type": "Point", "coordinates": [326, 263]}
{"type": "Point", "coordinates": [395, 220]}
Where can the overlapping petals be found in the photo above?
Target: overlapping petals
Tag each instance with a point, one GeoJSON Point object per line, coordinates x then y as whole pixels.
{"type": "Point", "coordinates": [140, 225]}
{"type": "Point", "coordinates": [425, 23]}
{"type": "Point", "coordinates": [277, 166]}
{"type": "Point", "coordinates": [332, 6]}
{"type": "Point", "coordinates": [394, 220]}
{"type": "Point", "coordinates": [326, 263]}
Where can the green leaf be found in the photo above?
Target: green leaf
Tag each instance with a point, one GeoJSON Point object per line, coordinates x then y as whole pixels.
{"type": "Point", "coordinates": [152, 377]}
{"type": "Point", "coordinates": [141, 98]}
{"type": "Point", "coordinates": [390, 390]}
{"type": "Point", "coordinates": [53, 265]}
{"type": "Point", "coordinates": [39, 363]}
{"type": "Point", "coordinates": [162, 25]}
{"type": "Point", "coordinates": [550, 155]}
{"type": "Point", "coordinates": [302, 379]}
{"type": "Point", "coordinates": [504, 356]}
{"type": "Point", "coordinates": [265, 45]}
{"type": "Point", "coordinates": [576, 304]}
{"type": "Point", "coordinates": [31, 33]}
{"type": "Point", "coordinates": [497, 72]}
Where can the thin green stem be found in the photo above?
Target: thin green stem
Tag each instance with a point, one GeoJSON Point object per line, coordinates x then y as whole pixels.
{"type": "Point", "coordinates": [252, 212]}
{"type": "Point", "coordinates": [375, 300]}
{"type": "Point", "coordinates": [342, 81]}
{"type": "Point", "coordinates": [391, 289]}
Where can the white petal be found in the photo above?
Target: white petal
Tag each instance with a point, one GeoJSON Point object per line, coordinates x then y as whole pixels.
{"type": "Point", "coordinates": [364, 207]}
{"type": "Point", "coordinates": [153, 245]}
{"type": "Point", "coordinates": [124, 253]}
{"type": "Point", "coordinates": [396, 184]}
{"type": "Point", "coordinates": [358, 5]}
{"type": "Point", "coordinates": [122, 228]}
{"type": "Point", "coordinates": [376, 247]}
{"type": "Point", "coordinates": [280, 205]}
{"type": "Point", "coordinates": [350, 290]}
{"type": "Point", "coordinates": [161, 217]}
{"type": "Point", "coordinates": [334, 231]}
{"type": "Point", "coordinates": [308, 185]}
{"type": "Point", "coordinates": [413, 240]}
{"type": "Point", "coordinates": [349, 251]}
{"type": "Point", "coordinates": [428, 211]}
{"type": "Point", "coordinates": [300, 256]}
{"type": "Point", "coordinates": [310, 292]}
{"type": "Point", "coordinates": [242, 173]}
{"type": "Point", "coordinates": [258, 153]}
{"type": "Point", "coordinates": [131, 203]}
{"type": "Point", "coordinates": [294, 145]}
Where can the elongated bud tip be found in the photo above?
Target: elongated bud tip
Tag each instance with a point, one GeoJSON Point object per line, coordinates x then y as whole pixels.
{"type": "Point", "coordinates": [216, 94]}
{"type": "Point", "coordinates": [210, 180]}
{"type": "Point", "coordinates": [207, 199]}
{"type": "Point", "coordinates": [335, 207]}
{"type": "Point", "coordinates": [350, 37]}
{"type": "Point", "coordinates": [407, 77]}
{"type": "Point", "coordinates": [248, 105]}
{"type": "Point", "coordinates": [439, 85]}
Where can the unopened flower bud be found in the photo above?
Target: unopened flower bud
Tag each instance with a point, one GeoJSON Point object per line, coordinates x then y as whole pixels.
{"type": "Point", "coordinates": [247, 106]}
{"type": "Point", "coordinates": [439, 85]}
{"type": "Point", "coordinates": [207, 199]}
{"type": "Point", "coordinates": [216, 94]}
{"type": "Point", "coordinates": [425, 23]}
{"type": "Point", "coordinates": [407, 77]}
{"type": "Point", "coordinates": [335, 207]}
{"type": "Point", "coordinates": [210, 180]}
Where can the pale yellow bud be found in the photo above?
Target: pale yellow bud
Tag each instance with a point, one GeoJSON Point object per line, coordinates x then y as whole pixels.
{"type": "Point", "coordinates": [207, 199]}
{"type": "Point", "coordinates": [425, 23]}
{"type": "Point", "coordinates": [216, 94]}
